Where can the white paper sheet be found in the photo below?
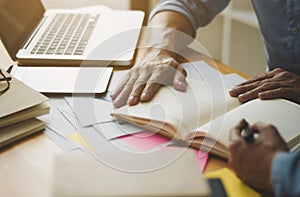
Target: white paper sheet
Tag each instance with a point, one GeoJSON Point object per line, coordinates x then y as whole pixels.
{"type": "Point", "coordinates": [64, 79]}
{"type": "Point", "coordinates": [115, 129]}
{"type": "Point", "coordinates": [90, 111]}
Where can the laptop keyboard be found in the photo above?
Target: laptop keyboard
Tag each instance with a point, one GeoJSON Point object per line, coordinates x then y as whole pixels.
{"type": "Point", "coordinates": [67, 34]}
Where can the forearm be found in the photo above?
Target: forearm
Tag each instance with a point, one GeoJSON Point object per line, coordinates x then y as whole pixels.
{"type": "Point", "coordinates": [170, 30]}
{"type": "Point", "coordinates": [183, 17]}
{"type": "Point", "coordinates": [173, 20]}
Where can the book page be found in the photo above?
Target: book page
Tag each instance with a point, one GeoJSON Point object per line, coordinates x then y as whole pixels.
{"type": "Point", "coordinates": [185, 111]}
{"type": "Point", "coordinates": [281, 113]}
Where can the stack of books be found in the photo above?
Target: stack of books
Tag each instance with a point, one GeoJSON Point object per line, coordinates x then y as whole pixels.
{"type": "Point", "coordinates": [20, 105]}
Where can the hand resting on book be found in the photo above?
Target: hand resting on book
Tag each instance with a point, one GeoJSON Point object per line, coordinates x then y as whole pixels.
{"type": "Point", "coordinates": [277, 83]}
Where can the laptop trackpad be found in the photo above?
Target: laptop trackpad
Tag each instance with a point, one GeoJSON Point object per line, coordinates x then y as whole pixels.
{"type": "Point", "coordinates": [64, 79]}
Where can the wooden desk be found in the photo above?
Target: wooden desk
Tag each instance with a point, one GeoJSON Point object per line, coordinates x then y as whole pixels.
{"type": "Point", "coordinates": [26, 167]}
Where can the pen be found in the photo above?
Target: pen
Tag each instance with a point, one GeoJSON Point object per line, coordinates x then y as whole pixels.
{"type": "Point", "coordinates": [248, 134]}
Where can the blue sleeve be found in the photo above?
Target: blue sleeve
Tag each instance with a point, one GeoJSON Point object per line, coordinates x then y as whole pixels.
{"type": "Point", "coordinates": [198, 12]}
{"type": "Point", "coordinates": [285, 174]}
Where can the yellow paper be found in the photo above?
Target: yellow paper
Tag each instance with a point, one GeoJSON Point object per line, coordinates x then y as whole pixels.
{"type": "Point", "coordinates": [79, 139]}
{"type": "Point", "coordinates": [232, 184]}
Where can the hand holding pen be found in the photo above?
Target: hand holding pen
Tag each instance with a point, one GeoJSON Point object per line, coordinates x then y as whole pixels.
{"type": "Point", "coordinates": [247, 132]}
{"type": "Point", "coordinates": [252, 149]}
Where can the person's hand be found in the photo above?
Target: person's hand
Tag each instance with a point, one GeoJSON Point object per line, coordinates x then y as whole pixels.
{"type": "Point", "coordinates": [277, 83]}
{"type": "Point", "coordinates": [142, 82]}
{"type": "Point", "coordinates": [252, 161]}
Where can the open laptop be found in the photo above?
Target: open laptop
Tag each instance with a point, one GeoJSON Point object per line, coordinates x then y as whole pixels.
{"type": "Point", "coordinates": [34, 36]}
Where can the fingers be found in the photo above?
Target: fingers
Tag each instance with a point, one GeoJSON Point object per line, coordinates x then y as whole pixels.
{"type": "Point", "coordinates": [143, 81]}
{"type": "Point", "coordinates": [270, 136]}
{"type": "Point", "coordinates": [117, 91]}
{"type": "Point", "coordinates": [151, 88]}
{"type": "Point", "coordinates": [251, 83]}
{"type": "Point", "coordinates": [281, 92]}
{"type": "Point", "coordinates": [235, 132]}
{"type": "Point", "coordinates": [257, 78]}
{"type": "Point", "coordinates": [261, 77]}
{"type": "Point", "coordinates": [276, 93]}
{"type": "Point", "coordinates": [179, 79]}
{"type": "Point", "coordinates": [251, 92]}
{"type": "Point", "coordinates": [274, 84]}
{"type": "Point", "coordinates": [265, 131]}
{"type": "Point", "coordinates": [138, 88]}
{"type": "Point", "coordinates": [122, 93]}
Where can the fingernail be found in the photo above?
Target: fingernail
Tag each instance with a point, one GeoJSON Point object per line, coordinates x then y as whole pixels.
{"type": "Point", "coordinates": [180, 85]}
{"type": "Point", "coordinates": [112, 95]}
{"type": "Point", "coordinates": [116, 103]}
{"type": "Point", "coordinates": [233, 90]}
{"type": "Point", "coordinates": [132, 99]}
{"type": "Point", "coordinates": [145, 96]}
{"type": "Point", "coordinates": [242, 97]}
{"type": "Point", "coordinates": [261, 94]}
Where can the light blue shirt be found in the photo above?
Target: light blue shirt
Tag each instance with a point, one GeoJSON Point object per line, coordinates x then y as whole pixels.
{"type": "Point", "coordinates": [285, 174]}
{"type": "Point", "coordinates": [279, 22]}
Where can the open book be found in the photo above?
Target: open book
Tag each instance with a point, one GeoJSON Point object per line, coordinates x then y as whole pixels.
{"type": "Point", "coordinates": [203, 115]}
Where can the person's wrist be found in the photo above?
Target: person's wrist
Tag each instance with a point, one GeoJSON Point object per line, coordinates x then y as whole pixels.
{"type": "Point", "coordinates": [157, 53]}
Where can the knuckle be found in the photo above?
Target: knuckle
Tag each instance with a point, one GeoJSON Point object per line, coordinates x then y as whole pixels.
{"type": "Point", "coordinates": [128, 85]}
{"type": "Point", "coordinates": [268, 85]}
{"type": "Point", "coordinates": [133, 74]}
{"type": "Point", "coordinates": [153, 82]}
{"type": "Point", "coordinates": [272, 127]}
{"type": "Point", "coordinates": [258, 83]}
{"type": "Point", "coordinates": [160, 68]}
{"type": "Point", "coordinates": [169, 61]}
{"type": "Point", "coordinates": [284, 74]}
{"type": "Point", "coordinates": [294, 81]}
{"type": "Point", "coordinates": [265, 85]}
{"type": "Point", "coordinates": [281, 90]}
{"type": "Point", "coordinates": [278, 70]}
{"type": "Point", "coordinates": [140, 83]}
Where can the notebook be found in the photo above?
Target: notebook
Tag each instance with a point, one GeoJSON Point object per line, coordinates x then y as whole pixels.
{"type": "Point", "coordinates": [20, 105]}
{"type": "Point", "coordinates": [34, 36]}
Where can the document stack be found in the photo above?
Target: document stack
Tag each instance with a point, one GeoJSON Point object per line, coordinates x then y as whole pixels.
{"type": "Point", "coordinates": [20, 105]}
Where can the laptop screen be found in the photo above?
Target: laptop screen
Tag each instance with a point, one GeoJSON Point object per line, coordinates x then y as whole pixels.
{"type": "Point", "coordinates": [18, 18]}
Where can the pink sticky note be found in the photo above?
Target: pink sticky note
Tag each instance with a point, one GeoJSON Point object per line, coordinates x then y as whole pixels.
{"type": "Point", "coordinates": [147, 140]}
{"type": "Point", "coordinates": [202, 158]}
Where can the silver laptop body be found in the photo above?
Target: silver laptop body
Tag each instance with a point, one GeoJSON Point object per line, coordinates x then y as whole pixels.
{"type": "Point", "coordinates": [62, 37]}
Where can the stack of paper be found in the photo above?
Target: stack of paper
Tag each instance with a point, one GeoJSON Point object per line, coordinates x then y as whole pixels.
{"type": "Point", "coordinates": [20, 106]}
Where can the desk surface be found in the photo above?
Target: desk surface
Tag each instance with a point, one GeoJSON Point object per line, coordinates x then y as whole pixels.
{"type": "Point", "coordinates": [26, 167]}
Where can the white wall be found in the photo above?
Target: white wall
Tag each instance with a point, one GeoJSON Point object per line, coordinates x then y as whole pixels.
{"type": "Point", "coordinates": [234, 38]}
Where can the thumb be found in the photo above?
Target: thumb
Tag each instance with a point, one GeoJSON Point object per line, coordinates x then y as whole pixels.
{"type": "Point", "coordinates": [179, 81]}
